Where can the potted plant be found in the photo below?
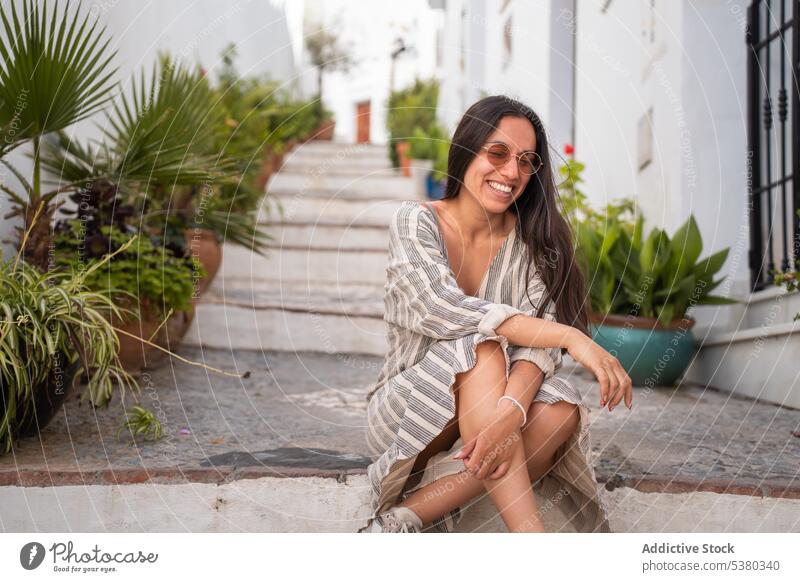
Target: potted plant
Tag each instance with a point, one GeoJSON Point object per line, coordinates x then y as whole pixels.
{"type": "Point", "coordinates": [790, 279]}
{"type": "Point", "coordinates": [54, 330]}
{"type": "Point", "coordinates": [642, 289]}
{"type": "Point", "coordinates": [409, 110]}
{"type": "Point", "coordinates": [154, 285]}
{"type": "Point", "coordinates": [429, 150]}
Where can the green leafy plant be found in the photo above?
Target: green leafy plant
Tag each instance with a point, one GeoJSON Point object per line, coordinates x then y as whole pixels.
{"type": "Point", "coordinates": [47, 317]}
{"type": "Point", "coordinates": [257, 119]}
{"type": "Point", "coordinates": [153, 275]}
{"type": "Point", "coordinates": [141, 421]}
{"type": "Point", "coordinates": [790, 279]}
{"type": "Point", "coordinates": [55, 70]}
{"type": "Point", "coordinates": [652, 276]}
{"type": "Point", "coordinates": [410, 109]}
{"type": "Point", "coordinates": [434, 145]}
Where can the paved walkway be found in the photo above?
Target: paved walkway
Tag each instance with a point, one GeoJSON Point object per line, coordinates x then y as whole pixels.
{"type": "Point", "coordinates": [303, 414]}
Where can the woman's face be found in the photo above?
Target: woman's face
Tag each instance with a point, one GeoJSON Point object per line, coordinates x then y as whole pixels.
{"type": "Point", "coordinates": [496, 188]}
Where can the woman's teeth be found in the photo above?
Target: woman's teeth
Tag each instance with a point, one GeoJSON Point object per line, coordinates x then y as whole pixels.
{"type": "Point", "coordinates": [500, 187]}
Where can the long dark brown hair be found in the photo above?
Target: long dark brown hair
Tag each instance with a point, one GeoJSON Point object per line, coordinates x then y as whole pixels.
{"type": "Point", "coordinates": [546, 233]}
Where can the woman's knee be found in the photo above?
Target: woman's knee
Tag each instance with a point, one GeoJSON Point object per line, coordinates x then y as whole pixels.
{"type": "Point", "coordinates": [559, 419]}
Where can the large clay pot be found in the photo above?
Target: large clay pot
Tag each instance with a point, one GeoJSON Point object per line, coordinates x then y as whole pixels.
{"type": "Point", "coordinates": [169, 336]}
{"type": "Point", "coordinates": [270, 165]}
{"type": "Point", "coordinates": [134, 354]}
{"type": "Point", "coordinates": [652, 354]}
{"type": "Point", "coordinates": [324, 130]}
{"type": "Point", "coordinates": [203, 245]}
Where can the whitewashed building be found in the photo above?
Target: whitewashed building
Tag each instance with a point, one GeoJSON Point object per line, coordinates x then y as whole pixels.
{"type": "Point", "coordinates": [372, 31]}
{"type": "Point", "coordinates": [653, 95]}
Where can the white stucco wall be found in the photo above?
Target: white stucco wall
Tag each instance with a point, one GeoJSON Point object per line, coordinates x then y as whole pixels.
{"type": "Point", "coordinates": [685, 61]}
{"type": "Point", "coordinates": [538, 71]}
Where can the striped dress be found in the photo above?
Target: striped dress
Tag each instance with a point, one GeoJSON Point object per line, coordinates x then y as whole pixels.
{"type": "Point", "coordinates": [433, 330]}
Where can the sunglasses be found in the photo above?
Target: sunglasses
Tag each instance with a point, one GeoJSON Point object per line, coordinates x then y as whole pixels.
{"type": "Point", "coordinates": [498, 155]}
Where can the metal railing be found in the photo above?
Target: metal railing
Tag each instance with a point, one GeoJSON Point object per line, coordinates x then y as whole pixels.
{"type": "Point", "coordinates": [773, 95]}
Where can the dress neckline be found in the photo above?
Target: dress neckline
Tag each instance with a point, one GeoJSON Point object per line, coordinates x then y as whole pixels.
{"type": "Point", "coordinates": [443, 245]}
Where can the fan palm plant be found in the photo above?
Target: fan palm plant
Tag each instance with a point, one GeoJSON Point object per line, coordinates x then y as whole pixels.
{"type": "Point", "coordinates": [55, 70]}
{"type": "Point", "coordinates": [159, 149]}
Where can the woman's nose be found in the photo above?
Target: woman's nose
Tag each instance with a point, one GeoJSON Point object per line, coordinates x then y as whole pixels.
{"type": "Point", "coordinates": [510, 169]}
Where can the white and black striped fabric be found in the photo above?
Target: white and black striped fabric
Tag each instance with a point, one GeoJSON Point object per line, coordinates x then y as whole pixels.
{"type": "Point", "coordinates": [433, 330]}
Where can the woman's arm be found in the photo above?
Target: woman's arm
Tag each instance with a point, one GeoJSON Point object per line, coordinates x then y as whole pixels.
{"type": "Point", "coordinates": [524, 382]}
{"type": "Point", "coordinates": [614, 382]}
{"type": "Point", "coordinates": [548, 359]}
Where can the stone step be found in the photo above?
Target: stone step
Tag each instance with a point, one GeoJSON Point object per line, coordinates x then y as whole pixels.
{"type": "Point", "coordinates": [772, 306]}
{"type": "Point", "coordinates": [308, 163]}
{"type": "Point", "coordinates": [335, 148]}
{"type": "Point", "coordinates": [311, 504]}
{"type": "Point", "coordinates": [240, 327]}
{"type": "Point", "coordinates": [283, 449]}
{"type": "Point", "coordinates": [758, 362]}
{"type": "Point", "coordinates": [284, 316]}
{"type": "Point", "coordinates": [374, 185]}
{"type": "Point", "coordinates": [326, 210]}
{"type": "Point", "coordinates": [305, 265]}
{"type": "Point", "coordinates": [327, 236]}
{"type": "Point", "coordinates": [337, 299]}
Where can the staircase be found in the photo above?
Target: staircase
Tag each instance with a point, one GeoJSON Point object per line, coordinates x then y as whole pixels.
{"type": "Point", "coordinates": [320, 285]}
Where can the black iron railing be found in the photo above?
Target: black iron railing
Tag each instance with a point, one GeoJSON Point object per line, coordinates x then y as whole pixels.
{"type": "Point", "coordinates": [773, 95]}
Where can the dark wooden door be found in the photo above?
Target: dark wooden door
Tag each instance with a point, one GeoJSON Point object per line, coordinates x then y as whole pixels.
{"type": "Point", "coordinates": [362, 122]}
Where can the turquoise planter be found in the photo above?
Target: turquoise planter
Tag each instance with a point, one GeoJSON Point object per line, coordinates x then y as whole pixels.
{"type": "Point", "coordinates": [652, 355]}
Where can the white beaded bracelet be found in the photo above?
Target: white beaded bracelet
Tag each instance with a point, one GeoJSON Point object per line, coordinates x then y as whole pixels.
{"type": "Point", "coordinates": [514, 400]}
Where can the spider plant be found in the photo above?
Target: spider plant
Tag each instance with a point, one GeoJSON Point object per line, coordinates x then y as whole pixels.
{"type": "Point", "coordinates": [55, 70]}
{"type": "Point", "coordinates": [51, 321]}
{"type": "Point", "coordinates": [141, 421]}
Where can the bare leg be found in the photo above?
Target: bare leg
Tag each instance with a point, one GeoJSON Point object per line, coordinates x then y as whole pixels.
{"type": "Point", "coordinates": [548, 427]}
{"type": "Point", "coordinates": [477, 392]}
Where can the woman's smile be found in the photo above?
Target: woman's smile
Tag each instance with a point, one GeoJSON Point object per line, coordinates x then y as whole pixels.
{"type": "Point", "coordinates": [500, 190]}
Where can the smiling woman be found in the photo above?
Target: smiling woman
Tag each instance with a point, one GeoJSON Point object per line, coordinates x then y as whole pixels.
{"type": "Point", "coordinates": [468, 399]}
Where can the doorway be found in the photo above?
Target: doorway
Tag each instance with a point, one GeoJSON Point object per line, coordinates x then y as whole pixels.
{"type": "Point", "coordinates": [362, 121]}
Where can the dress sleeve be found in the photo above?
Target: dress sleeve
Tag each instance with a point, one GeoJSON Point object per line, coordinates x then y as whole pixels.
{"type": "Point", "coordinates": [421, 292]}
{"type": "Point", "coordinates": [548, 359]}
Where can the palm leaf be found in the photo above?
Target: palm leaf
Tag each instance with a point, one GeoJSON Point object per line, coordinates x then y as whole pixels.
{"type": "Point", "coordinates": [54, 69]}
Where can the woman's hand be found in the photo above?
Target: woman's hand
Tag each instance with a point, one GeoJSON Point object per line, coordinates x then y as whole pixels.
{"type": "Point", "coordinates": [614, 381]}
{"type": "Point", "coordinates": [488, 454]}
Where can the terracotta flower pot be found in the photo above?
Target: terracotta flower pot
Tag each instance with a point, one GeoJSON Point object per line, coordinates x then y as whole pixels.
{"type": "Point", "coordinates": [203, 245]}
{"type": "Point", "coordinates": [324, 130]}
{"type": "Point", "coordinates": [170, 335]}
{"type": "Point", "coordinates": [134, 354]}
{"type": "Point", "coordinates": [270, 165]}
{"type": "Point", "coordinates": [402, 148]}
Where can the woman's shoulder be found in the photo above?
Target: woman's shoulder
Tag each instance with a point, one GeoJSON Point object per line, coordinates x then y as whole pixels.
{"type": "Point", "coordinates": [411, 213]}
